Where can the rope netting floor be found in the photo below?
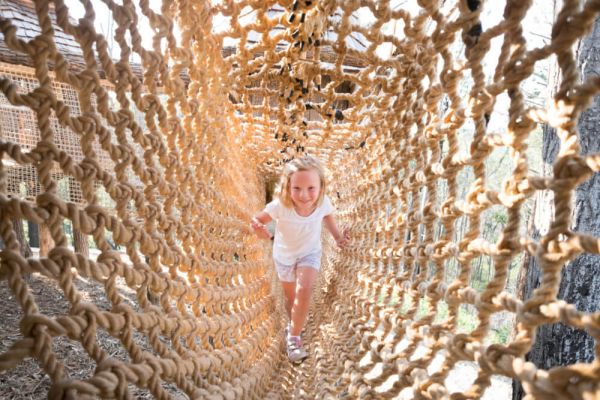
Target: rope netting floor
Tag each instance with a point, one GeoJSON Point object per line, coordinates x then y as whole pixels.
{"type": "Point", "coordinates": [161, 166]}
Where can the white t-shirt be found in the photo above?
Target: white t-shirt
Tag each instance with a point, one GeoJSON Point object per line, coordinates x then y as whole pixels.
{"type": "Point", "coordinates": [297, 236]}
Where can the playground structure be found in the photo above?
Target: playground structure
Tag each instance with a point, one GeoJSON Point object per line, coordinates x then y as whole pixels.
{"type": "Point", "coordinates": [163, 149]}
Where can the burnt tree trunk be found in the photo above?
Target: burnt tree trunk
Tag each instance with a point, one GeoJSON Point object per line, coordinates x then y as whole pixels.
{"type": "Point", "coordinates": [559, 344]}
{"type": "Point", "coordinates": [34, 234]}
{"type": "Point", "coordinates": [32, 227]}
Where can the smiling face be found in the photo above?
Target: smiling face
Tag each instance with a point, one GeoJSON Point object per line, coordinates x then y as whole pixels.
{"type": "Point", "coordinates": [305, 187]}
{"type": "Point", "coordinates": [307, 177]}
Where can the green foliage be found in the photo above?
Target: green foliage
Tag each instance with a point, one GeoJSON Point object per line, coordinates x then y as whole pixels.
{"type": "Point", "coordinates": [501, 334]}
{"type": "Point", "coordinates": [467, 319]}
{"type": "Point", "coordinates": [499, 216]}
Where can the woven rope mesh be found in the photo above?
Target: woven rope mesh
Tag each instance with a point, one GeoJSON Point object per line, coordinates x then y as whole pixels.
{"type": "Point", "coordinates": [163, 164]}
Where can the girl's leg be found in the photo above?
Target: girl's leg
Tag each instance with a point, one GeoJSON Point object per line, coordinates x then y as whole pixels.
{"type": "Point", "coordinates": [287, 277]}
{"type": "Point", "coordinates": [289, 291]}
{"type": "Point", "coordinates": [305, 279]}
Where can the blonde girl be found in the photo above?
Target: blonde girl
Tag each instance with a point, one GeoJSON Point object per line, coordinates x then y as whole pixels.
{"type": "Point", "coordinates": [299, 209]}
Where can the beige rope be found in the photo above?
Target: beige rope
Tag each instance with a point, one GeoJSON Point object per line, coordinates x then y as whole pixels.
{"type": "Point", "coordinates": [183, 151]}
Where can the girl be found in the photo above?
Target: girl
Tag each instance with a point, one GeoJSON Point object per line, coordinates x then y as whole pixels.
{"type": "Point", "coordinates": [299, 209]}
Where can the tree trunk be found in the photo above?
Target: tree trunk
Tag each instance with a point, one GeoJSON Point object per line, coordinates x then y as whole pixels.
{"type": "Point", "coordinates": [558, 344]}
{"type": "Point", "coordinates": [34, 234]}
{"type": "Point", "coordinates": [80, 240]}
{"type": "Point", "coordinates": [17, 224]}
{"type": "Point", "coordinates": [20, 232]}
{"type": "Point", "coordinates": [80, 243]}
{"type": "Point", "coordinates": [46, 242]}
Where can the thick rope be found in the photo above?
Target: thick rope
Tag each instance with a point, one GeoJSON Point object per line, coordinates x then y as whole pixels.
{"type": "Point", "coordinates": [192, 299]}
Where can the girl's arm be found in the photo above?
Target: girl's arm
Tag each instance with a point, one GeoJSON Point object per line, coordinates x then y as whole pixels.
{"type": "Point", "coordinates": [341, 239]}
{"type": "Point", "coordinates": [258, 225]}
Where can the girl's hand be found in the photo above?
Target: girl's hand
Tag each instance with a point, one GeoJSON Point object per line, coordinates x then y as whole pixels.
{"type": "Point", "coordinates": [343, 240]}
{"type": "Point", "coordinates": [260, 229]}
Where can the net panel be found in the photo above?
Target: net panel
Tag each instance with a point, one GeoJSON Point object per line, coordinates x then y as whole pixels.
{"type": "Point", "coordinates": [227, 93]}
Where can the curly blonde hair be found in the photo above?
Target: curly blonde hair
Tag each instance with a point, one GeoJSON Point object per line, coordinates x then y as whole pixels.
{"type": "Point", "coordinates": [304, 163]}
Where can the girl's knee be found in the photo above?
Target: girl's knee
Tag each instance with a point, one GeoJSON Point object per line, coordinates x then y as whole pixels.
{"type": "Point", "coordinates": [306, 276]}
{"type": "Point", "coordinates": [304, 289]}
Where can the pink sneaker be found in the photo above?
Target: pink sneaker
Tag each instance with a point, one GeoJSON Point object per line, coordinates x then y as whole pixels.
{"type": "Point", "coordinates": [295, 351]}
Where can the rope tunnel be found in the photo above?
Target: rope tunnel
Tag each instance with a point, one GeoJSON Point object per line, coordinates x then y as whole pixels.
{"type": "Point", "coordinates": [143, 153]}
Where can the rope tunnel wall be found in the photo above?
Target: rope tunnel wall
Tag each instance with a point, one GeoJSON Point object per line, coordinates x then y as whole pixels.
{"type": "Point", "coordinates": [157, 144]}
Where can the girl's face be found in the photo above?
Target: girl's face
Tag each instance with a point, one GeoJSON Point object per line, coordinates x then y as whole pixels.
{"type": "Point", "coordinates": [305, 187]}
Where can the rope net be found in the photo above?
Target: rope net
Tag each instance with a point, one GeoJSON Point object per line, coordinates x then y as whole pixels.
{"type": "Point", "coordinates": [169, 161]}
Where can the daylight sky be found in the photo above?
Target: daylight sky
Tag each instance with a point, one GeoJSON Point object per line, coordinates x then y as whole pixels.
{"type": "Point", "coordinates": [536, 23]}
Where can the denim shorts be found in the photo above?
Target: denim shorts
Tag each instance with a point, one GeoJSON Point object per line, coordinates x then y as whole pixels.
{"type": "Point", "coordinates": [287, 273]}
